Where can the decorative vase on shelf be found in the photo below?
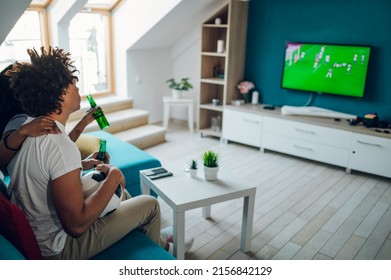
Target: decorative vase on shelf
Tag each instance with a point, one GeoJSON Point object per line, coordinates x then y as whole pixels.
{"type": "Point", "coordinates": [247, 97]}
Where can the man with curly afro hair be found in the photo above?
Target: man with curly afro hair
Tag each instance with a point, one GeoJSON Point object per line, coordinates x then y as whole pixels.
{"type": "Point", "coordinates": [46, 171]}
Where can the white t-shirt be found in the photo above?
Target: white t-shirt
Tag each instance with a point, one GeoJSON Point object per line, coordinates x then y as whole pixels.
{"type": "Point", "coordinates": [40, 160]}
{"type": "Point", "coordinates": [16, 122]}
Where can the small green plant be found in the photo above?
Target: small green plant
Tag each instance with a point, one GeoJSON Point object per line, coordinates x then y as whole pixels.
{"type": "Point", "coordinates": [193, 164]}
{"type": "Point", "coordinates": [210, 159]}
{"type": "Point", "coordinates": [184, 84]}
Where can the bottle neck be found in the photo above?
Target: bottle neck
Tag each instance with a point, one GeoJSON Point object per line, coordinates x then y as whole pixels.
{"type": "Point", "coordinates": [102, 147]}
{"type": "Point", "coordinates": [91, 101]}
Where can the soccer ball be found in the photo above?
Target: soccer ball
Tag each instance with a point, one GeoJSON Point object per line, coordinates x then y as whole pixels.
{"type": "Point", "coordinates": [92, 181]}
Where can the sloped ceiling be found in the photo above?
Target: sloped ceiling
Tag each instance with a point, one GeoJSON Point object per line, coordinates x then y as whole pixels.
{"type": "Point", "coordinates": [10, 12]}
{"type": "Point", "coordinates": [187, 15]}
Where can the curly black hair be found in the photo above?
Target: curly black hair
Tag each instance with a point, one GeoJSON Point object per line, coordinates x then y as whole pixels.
{"type": "Point", "coordinates": [39, 85]}
{"type": "Point", "coordinates": [9, 106]}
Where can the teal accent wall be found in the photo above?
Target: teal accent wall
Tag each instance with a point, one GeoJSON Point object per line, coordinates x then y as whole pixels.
{"type": "Point", "coordinates": [361, 22]}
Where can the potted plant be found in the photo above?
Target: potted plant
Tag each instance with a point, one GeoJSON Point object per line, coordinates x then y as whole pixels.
{"type": "Point", "coordinates": [211, 165]}
{"type": "Point", "coordinates": [193, 168]}
{"type": "Point", "coordinates": [178, 87]}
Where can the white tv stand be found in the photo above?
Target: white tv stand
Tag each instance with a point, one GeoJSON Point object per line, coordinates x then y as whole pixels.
{"type": "Point", "coordinates": [326, 140]}
{"type": "Point", "coordinates": [314, 111]}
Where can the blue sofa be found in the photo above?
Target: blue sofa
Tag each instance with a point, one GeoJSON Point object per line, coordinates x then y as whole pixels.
{"type": "Point", "coordinates": [16, 238]}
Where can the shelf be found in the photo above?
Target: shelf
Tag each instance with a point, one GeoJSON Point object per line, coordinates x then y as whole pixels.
{"type": "Point", "coordinates": [214, 54]}
{"type": "Point", "coordinates": [212, 25]}
{"type": "Point", "coordinates": [211, 107]}
{"type": "Point", "coordinates": [208, 131]}
{"type": "Point", "coordinates": [221, 72]}
{"type": "Point", "coordinates": [216, 81]}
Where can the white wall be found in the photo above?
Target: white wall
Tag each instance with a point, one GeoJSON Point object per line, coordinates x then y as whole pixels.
{"type": "Point", "coordinates": [150, 62]}
{"type": "Point", "coordinates": [186, 60]}
{"type": "Point", "coordinates": [149, 69]}
{"type": "Point", "coordinates": [146, 75]}
{"type": "Point", "coordinates": [131, 23]}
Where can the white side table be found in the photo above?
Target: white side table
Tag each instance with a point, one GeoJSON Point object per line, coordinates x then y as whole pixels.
{"type": "Point", "coordinates": [169, 101]}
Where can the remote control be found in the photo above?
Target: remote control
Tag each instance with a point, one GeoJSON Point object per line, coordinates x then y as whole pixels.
{"type": "Point", "coordinates": [269, 107]}
{"type": "Point", "coordinates": [155, 171]}
{"type": "Point", "coordinates": [160, 175]}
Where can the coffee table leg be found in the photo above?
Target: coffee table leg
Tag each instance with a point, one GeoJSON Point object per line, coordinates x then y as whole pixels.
{"type": "Point", "coordinates": [144, 188]}
{"type": "Point", "coordinates": [247, 224]}
{"type": "Point", "coordinates": [179, 235]}
{"type": "Point", "coordinates": [206, 210]}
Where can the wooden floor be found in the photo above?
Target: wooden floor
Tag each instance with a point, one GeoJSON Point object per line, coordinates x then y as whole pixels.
{"type": "Point", "coordinates": [303, 209]}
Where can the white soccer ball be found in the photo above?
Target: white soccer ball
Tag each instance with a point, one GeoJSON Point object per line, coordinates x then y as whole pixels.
{"type": "Point", "coordinates": [91, 182]}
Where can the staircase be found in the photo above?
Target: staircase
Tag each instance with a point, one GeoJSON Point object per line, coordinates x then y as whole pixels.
{"type": "Point", "coordinates": [127, 123]}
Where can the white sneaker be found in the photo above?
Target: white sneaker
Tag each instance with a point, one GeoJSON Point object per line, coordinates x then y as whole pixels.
{"type": "Point", "coordinates": [168, 235]}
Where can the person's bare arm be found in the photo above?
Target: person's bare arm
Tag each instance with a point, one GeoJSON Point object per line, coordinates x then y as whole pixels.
{"type": "Point", "coordinates": [81, 125]}
{"type": "Point", "coordinates": [76, 213]}
{"type": "Point", "coordinates": [13, 139]}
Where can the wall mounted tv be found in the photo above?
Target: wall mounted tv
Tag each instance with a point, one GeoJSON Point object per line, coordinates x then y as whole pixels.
{"type": "Point", "coordinates": [326, 68]}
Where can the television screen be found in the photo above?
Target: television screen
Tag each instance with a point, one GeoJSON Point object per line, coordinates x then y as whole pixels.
{"type": "Point", "coordinates": [326, 68]}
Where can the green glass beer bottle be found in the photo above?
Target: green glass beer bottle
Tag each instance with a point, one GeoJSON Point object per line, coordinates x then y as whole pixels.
{"type": "Point", "coordinates": [98, 114]}
{"type": "Point", "coordinates": [102, 151]}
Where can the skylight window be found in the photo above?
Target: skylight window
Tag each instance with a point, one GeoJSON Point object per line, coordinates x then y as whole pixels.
{"type": "Point", "coordinates": [105, 4]}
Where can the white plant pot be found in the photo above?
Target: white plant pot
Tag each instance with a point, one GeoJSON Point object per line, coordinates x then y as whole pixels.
{"type": "Point", "coordinates": [210, 173]}
{"type": "Point", "coordinates": [176, 94]}
{"type": "Point", "coordinates": [193, 173]}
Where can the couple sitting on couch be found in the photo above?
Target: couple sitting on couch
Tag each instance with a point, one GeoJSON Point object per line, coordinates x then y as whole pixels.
{"type": "Point", "coordinates": [45, 174]}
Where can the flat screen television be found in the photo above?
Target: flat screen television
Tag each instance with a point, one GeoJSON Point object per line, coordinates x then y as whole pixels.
{"type": "Point", "coordinates": [325, 68]}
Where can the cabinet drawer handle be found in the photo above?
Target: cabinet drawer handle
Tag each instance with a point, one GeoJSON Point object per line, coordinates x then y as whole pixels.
{"type": "Point", "coordinates": [251, 121]}
{"type": "Point", "coordinates": [302, 147]}
{"type": "Point", "coordinates": [304, 130]}
{"type": "Point", "coordinates": [368, 143]}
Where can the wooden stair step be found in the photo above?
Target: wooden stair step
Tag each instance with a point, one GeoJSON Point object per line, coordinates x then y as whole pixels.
{"type": "Point", "coordinates": [114, 106]}
{"type": "Point", "coordinates": [120, 120]}
{"type": "Point", "coordinates": [143, 136]}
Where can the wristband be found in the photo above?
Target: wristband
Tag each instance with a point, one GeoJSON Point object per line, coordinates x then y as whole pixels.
{"type": "Point", "coordinates": [8, 147]}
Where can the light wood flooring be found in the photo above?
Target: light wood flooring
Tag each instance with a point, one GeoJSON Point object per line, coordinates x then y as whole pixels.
{"type": "Point", "coordinates": [303, 209]}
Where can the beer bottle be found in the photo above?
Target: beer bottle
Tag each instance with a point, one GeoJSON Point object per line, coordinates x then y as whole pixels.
{"type": "Point", "coordinates": [98, 114]}
{"type": "Point", "coordinates": [102, 151]}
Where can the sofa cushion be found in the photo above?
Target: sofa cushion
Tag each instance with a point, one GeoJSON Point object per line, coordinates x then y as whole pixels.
{"type": "Point", "coordinates": [3, 189]}
{"type": "Point", "coordinates": [87, 144]}
{"type": "Point", "coordinates": [134, 246]}
{"type": "Point", "coordinates": [8, 251]}
{"type": "Point", "coordinates": [16, 228]}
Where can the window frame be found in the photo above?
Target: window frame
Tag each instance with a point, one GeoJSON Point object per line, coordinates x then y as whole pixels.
{"type": "Point", "coordinates": [110, 91]}
{"type": "Point", "coordinates": [106, 11]}
{"type": "Point", "coordinates": [43, 23]}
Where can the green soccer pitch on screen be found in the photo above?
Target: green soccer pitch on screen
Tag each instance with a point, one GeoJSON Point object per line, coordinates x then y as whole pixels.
{"type": "Point", "coordinates": [326, 68]}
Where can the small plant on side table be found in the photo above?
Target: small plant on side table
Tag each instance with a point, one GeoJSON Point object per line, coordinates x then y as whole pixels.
{"type": "Point", "coordinates": [211, 165]}
{"type": "Point", "coordinates": [178, 87]}
{"type": "Point", "coordinates": [193, 168]}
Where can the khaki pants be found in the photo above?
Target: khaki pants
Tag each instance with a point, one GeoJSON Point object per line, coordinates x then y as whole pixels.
{"type": "Point", "coordinates": [142, 212]}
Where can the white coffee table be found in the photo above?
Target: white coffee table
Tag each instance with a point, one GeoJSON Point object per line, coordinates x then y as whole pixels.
{"type": "Point", "coordinates": [181, 193]}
